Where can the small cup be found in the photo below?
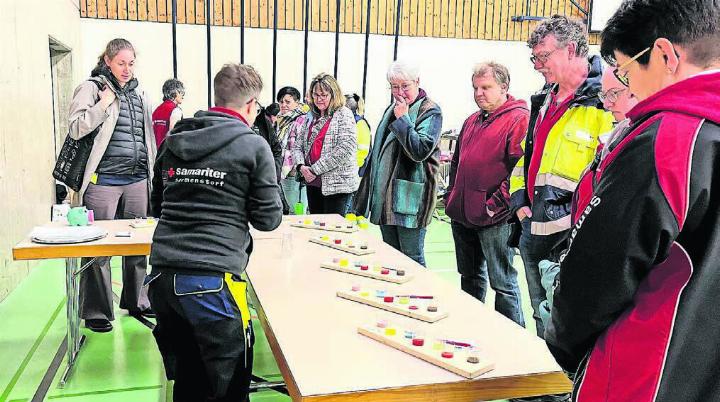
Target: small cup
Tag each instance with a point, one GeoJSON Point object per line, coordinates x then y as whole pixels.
{"type": "Point", "coordinates": [287, 244]}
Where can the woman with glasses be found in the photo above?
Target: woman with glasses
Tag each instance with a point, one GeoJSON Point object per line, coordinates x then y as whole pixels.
{"type": "Point", "coordinates": [615, 96]}
{"type": "Point", "coordinates": [634, 313]}
{"type": "Point", "coordinates": [325, 148]}
{"type": "Point", "coordinates": [399, 187]}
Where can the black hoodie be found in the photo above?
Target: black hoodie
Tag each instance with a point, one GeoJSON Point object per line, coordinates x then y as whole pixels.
{"type": "Point", "coordinates": [213, 175]}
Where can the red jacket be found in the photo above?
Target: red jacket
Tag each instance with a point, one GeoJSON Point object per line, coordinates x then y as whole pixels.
{"type": "Point", "coordinates": [486, 152]}
{"type": "Point", "coordinates": [635, 304]}
{"type": "Point", "coordinates": [161, 120]}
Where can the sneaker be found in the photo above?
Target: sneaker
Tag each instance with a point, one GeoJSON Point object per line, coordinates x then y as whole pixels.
{"type": "Point", "coordinates": [98, 325]}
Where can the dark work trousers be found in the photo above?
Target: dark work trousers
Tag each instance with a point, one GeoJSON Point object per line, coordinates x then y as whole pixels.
{"type": "Point", "coordinates": [200, 334]}
{"type": "Point", "coordinates": [95, 282]}
{"type": "Point", "coordinates": [326, 204]}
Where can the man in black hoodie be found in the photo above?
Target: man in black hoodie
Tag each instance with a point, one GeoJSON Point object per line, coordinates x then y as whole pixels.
{"type": "Point", "coordinates": [214, 176]}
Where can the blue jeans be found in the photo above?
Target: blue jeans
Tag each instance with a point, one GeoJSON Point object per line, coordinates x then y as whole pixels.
{"type": "Point", "coordinates": [483, 253]}
{"type": "Point", "coordinates": [533, 249]}
{"type": "Point", "coordinates": [294, 192]}
{"type": "Point", "coordinates": [410, 242]}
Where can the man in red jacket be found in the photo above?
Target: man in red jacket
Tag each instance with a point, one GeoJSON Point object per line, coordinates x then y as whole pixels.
{"type": "Point", "coordinates": [478, 197]}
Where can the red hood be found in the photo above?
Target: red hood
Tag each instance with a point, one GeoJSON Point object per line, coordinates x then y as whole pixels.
{"type": "Point", "coordinates": [511, 104]}
{"type": "Point", "coordinates": [696, 96]}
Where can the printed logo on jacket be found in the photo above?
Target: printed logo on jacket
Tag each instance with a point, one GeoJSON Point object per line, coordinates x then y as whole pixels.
{"type": "Point", "coordinates": [208, 176]}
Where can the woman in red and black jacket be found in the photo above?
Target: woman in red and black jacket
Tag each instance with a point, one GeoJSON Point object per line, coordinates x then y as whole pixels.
{"type": "Point", "coordinates": [635, 306]}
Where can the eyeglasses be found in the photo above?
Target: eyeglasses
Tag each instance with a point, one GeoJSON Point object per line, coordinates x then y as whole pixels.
{"type": "Point", "coordinates": [405, 87]}
{"type": "Point", "coordinates": [258, 106]}
{"type": "Point", "coordinates": [543, 57]}
{"type": "Point", "coordinates": [611, 95]}
{"type": "Point", "coordinates": [321, 96]}
{"type": "Point", "coordinates": [623, 77]}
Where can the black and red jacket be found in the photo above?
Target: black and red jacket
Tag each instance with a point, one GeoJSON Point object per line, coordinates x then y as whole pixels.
{"type": "Point", "coordinates": [635, 309]}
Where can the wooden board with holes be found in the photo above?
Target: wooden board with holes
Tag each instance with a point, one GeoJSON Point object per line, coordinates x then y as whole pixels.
{"type": "Point", "coordinates": [343, 245]}
{"type": "Point", "coordinates": [326, 226]}
{"type": "Point", "coordinates": [368, 271]}
{"type": "Point", "coordinates": [457, 363]}
{"type": "Point", "coordinates": [413, 308]}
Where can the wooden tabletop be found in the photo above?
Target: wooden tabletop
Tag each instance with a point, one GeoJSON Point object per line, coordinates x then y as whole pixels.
{"type": "Point", "coordinates": [313, 333]}
{"type": "Point", "coordinates": [137, 244]}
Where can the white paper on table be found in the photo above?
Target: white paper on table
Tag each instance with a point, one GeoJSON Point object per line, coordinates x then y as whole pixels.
{"type": "Point", "coordinates": [66, 234]}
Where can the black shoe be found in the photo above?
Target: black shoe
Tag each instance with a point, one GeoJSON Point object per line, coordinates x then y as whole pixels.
{"type": "Point", "coordinates": [148, 313]}
{"type": "Point", "coordinates": [544, 398]}
{"type": "Point", "coordinates": [98, 325]}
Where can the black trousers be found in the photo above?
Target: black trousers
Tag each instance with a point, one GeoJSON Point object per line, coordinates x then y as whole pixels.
{"type": "Point", "coordinates": [201, 337]}
{"type": "Point", "coordinates": [326, 204]}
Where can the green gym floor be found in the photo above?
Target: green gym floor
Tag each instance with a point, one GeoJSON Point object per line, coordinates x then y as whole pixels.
{"type": "Point", "coordinates": [125, 365]}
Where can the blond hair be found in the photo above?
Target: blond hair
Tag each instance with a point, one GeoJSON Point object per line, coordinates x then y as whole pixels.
{"type": "Point", "coordinates": [111, 50]}
{"type": "Point", "coordinates": [236, 84]}
{"type": "Point", "coordinates": [327, 83]}
{"type": "Point", "coordinates": [499, 72]}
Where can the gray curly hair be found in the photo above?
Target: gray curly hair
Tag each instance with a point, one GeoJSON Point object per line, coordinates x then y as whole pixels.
{"type": "Point", "coordinates": [171, 88]}
{"type": "Point", "coordinates": [566, 30]}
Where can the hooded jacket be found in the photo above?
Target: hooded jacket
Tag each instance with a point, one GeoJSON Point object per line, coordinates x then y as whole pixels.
{"type": "Point", "coordinates": [486, 152]}
{"type": "Point", "coordinates": [214, 176]}
{"type": "Point", "coordinates": [635, 306]}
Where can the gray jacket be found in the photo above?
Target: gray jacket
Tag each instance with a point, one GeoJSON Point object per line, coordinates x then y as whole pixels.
{"type": "Point", "coordinates": [86, 115]}
{"type": "Point", "coordinates": [337, 166]}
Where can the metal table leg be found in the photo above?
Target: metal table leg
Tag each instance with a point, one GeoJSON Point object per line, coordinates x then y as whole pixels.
{"type": "Point", "coordinates": [74, 339]}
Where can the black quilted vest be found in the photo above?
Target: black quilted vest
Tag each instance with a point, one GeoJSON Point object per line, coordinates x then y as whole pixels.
{"type": "Point", "coordinates": [126, 154]}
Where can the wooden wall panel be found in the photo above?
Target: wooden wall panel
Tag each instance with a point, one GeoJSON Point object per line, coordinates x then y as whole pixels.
{"type": "Point", "coordinates": [299, 14]}
{"type": "Point", "coordinates": [331, 14]}
{"type": "Point", "coordinates": [112, 12]}
{"type": "Point", "coordinates": [102, 8]}
{"type": "Point", "coordinates": [497, 22]}
{"type": "Point", "coordinates": [466, 19]}
{"type": "Point", "coordinates": [152, 10]}
{"type": "Point", "coordinates": [359, 15]}
{"type": "Point", "coordinates": [421, 10]}
{"type": "Point", "coordinates": [142, 7]}
{"type": "Point", "coordinates": [200, 11]}
{"type": "Point", "coordinates": [164, 11]}
{"type": "Point", "coordinates": [132, 13]}
{"type": "Point", "coordinates": [92, 9]}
